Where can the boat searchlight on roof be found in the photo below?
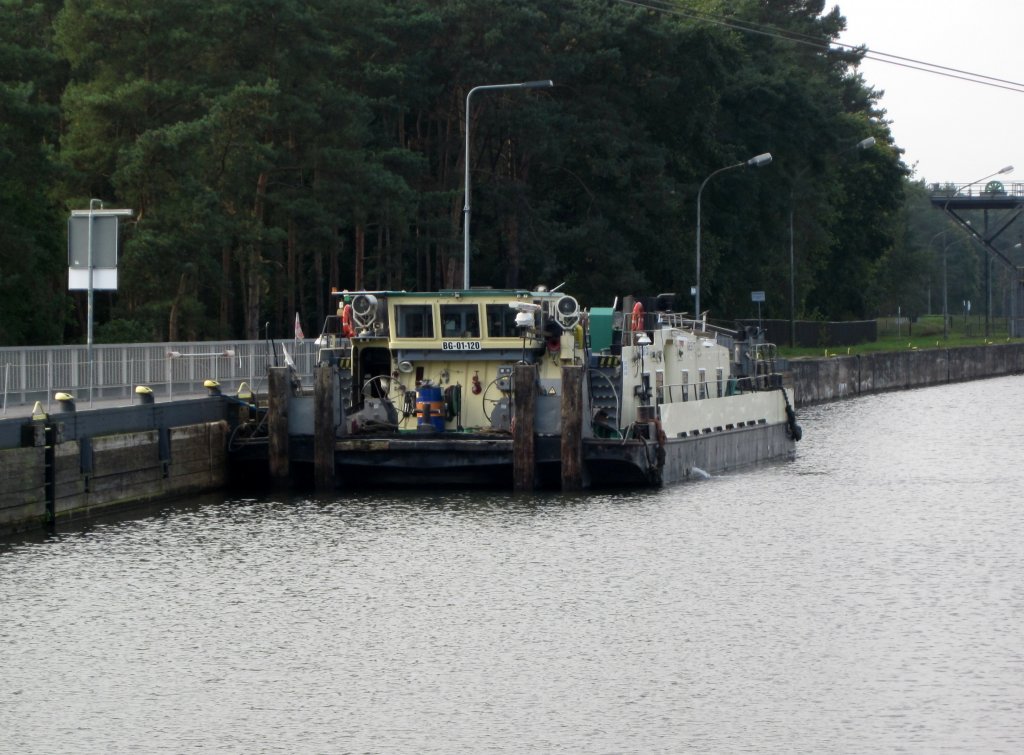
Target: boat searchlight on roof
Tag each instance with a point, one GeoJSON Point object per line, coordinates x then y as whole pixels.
{"type": "Point", "coordinates": [525, 310]}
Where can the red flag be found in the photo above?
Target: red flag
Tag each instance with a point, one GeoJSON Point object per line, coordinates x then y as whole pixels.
{"type": "Point", "coordinates": [298, 328]}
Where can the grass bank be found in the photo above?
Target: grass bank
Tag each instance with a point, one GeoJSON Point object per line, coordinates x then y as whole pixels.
{"type": "Point", "coordinates": [899, 334]}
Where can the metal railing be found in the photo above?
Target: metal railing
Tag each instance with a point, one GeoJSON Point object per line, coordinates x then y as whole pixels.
{"type": "Point", "coordinates": [994, 188]}
{"type": "Point", "coordinates": [36, 373]}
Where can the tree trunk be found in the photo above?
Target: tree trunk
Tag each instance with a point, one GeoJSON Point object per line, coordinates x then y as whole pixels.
{"type": "Point", "coordinates": [292, 265]}
{"type": "Point", "coordinates": [252, 263]}
{"type": "Point", "coordinates": [450, 272]}
{"type": "Point", "coordinates": [337, 247]}
{"type": "Point", "coordinates": [175, 315]}
{"type": "Point", "coordinates": [319, 307]}
{"type": "Point", "coordinates": [360, 251]}
{"type": "Point", "coordinates": [225, 292]}
{"type": "Point", "coordinates": [512, 251]}
{"type": "Point", "coordinates": [249, 264]}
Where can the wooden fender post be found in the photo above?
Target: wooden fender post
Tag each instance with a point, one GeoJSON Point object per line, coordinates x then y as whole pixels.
{"type": "Point", "coordinates": [323, 429]}
{"type": "Point", "coordinates": [524, 388]}
{"type": "Point", "coordinates": [572, 427]}
{"type": "Point", "coordinates": [277, 423]}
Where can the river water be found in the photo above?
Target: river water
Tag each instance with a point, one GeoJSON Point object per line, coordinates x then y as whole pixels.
{"type": "Point", "coordinates": [867, 597]}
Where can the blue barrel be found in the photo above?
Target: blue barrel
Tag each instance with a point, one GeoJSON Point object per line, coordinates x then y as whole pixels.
{"type": "Point", "coordinates": [429, 409]}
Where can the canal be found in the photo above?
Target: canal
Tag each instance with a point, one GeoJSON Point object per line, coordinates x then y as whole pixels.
{"type": "Point", "coordinates": [867, 597]}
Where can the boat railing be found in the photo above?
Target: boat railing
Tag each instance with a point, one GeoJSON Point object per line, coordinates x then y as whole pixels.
{"type": "Point", "coordinates": [679, 321]}
{"type": "Point", "coordinates": [715, 388]}
{"type": "Point", "coordinates": [762, 358]}
{"type": "Point", "coordinates": [698, 391]}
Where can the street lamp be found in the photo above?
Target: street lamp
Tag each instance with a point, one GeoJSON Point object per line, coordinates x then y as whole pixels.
{"type": "Point", "coordinates": [758, 161]}
{"type": "Point", "coordinates": [862, 144]}
{"type": "Point", "coordinates": [465, 210]}
{"type": "Point", "coordinates": [945, 286]}
{"type": "Point", "coordinates": [1002, 171]}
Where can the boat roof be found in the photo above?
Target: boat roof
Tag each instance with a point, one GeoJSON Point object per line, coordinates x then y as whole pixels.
{"type": "Point", "coordinates": [457, 293]}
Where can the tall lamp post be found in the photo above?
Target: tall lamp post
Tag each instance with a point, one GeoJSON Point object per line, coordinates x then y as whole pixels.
{"type": "Point", "coordinates": [1011, 322]}
{"type": "Point", "coordinates": [862, 144]}
{"type": "Point", "coordinates": [758, 161]}
{"type": "Point", "coordinates": [945, 286]}
{"type": "Point", "coordinates": [1002, 171]}
{"type": "Point", "coordinates": [465, 209]}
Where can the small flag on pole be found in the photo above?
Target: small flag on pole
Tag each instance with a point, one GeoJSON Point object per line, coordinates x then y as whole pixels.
{"type": "Point", "coordinates": [298, 328]}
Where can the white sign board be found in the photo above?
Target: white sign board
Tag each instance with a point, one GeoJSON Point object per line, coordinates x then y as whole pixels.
{"type": "Point", "coordinates": [98, 245]}
{"type": "Point", "coordinates": [103, 278]}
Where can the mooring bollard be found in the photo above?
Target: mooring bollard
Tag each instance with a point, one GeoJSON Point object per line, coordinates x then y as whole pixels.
{"type": "Point", "coordinates": [65, 403]}
{"type": "Point", "coordinates": [212, 386]}
{"type": "Point", "coordinates": [145, 394]}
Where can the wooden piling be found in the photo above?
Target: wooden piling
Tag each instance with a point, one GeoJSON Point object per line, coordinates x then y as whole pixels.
{"type": "Point", "coordinates": [524, 391]}
{"type": "Point", "coordinates": [323, 428]}
{"type": "Point", "coordinates": [572, 427]}
{"type": "Point", "coordinates": [277, 423]}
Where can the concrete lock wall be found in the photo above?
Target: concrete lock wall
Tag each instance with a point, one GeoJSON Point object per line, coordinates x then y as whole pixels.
{"type": "Point", "coordinates": [110, 471]}
{"type": "Point", "coordinates": [820, 380]}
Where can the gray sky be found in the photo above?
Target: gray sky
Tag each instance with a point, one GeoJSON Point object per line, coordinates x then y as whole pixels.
{"type": "Point", "coordinates": [951, 130]}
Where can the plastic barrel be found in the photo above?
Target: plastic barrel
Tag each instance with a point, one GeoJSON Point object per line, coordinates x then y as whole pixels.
{"type": "Point", "coordinates": [437, 415]}
{"type": "Point", "coordinates": [429, 409]}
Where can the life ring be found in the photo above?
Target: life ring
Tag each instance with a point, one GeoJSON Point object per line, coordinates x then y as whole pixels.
{"type": "Point", "coordinates": [347, 329]}
{"type": "Point", "coordinates": [638, 317]}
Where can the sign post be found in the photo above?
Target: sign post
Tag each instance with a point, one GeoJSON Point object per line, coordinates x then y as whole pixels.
{"type": "Point", "coordinates": [92, 259]}
{"type": "Point", "coordinates": [757, 296]}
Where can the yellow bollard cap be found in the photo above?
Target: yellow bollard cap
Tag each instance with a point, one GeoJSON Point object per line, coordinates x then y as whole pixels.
{"type": "Point", "coordinates": [211, 384]}
{"type": "Point", "coordinates": [143, 390]}
{"type": "Point", "coordinates": [62, 396]}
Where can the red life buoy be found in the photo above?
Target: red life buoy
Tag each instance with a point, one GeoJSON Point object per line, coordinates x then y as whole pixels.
{"type": "Point", "coordinates": [347, 329]}
{"type": "Point", "coordinates": [638, 317]}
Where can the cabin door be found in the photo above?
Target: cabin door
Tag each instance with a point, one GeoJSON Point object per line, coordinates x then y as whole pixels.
{"type": "Point", "coordinates": [373, 362]}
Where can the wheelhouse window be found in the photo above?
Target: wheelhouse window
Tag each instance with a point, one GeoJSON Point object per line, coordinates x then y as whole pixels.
{"type": "Point", "coordinates": [460, 321]}
{"type": "Point", "coordinates": [415, 320]}
{"type": "Point", "coordinates": [501, 321]}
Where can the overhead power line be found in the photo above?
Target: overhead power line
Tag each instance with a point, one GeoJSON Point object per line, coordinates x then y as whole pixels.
{"type": "Point", "coordinates": [766, 30]}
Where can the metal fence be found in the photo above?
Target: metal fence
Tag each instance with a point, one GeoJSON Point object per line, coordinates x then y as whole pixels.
{"type": "Point", "coordinates": [812, 333]}
{"type": "Point", "coordinates": [35, 373]}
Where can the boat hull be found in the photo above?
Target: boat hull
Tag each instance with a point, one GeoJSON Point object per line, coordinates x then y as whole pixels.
{"type": "Point", "coordinates": [486, 460]}
{"type": "Point", "coordinates": [639, 461]}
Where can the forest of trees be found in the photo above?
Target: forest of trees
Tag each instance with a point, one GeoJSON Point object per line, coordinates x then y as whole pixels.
{"type": "Point", "coordinates": [272, 149]}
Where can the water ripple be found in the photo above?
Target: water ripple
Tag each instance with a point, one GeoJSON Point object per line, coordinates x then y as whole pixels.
{"type": "Point", "coordinates": [866, 597]}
